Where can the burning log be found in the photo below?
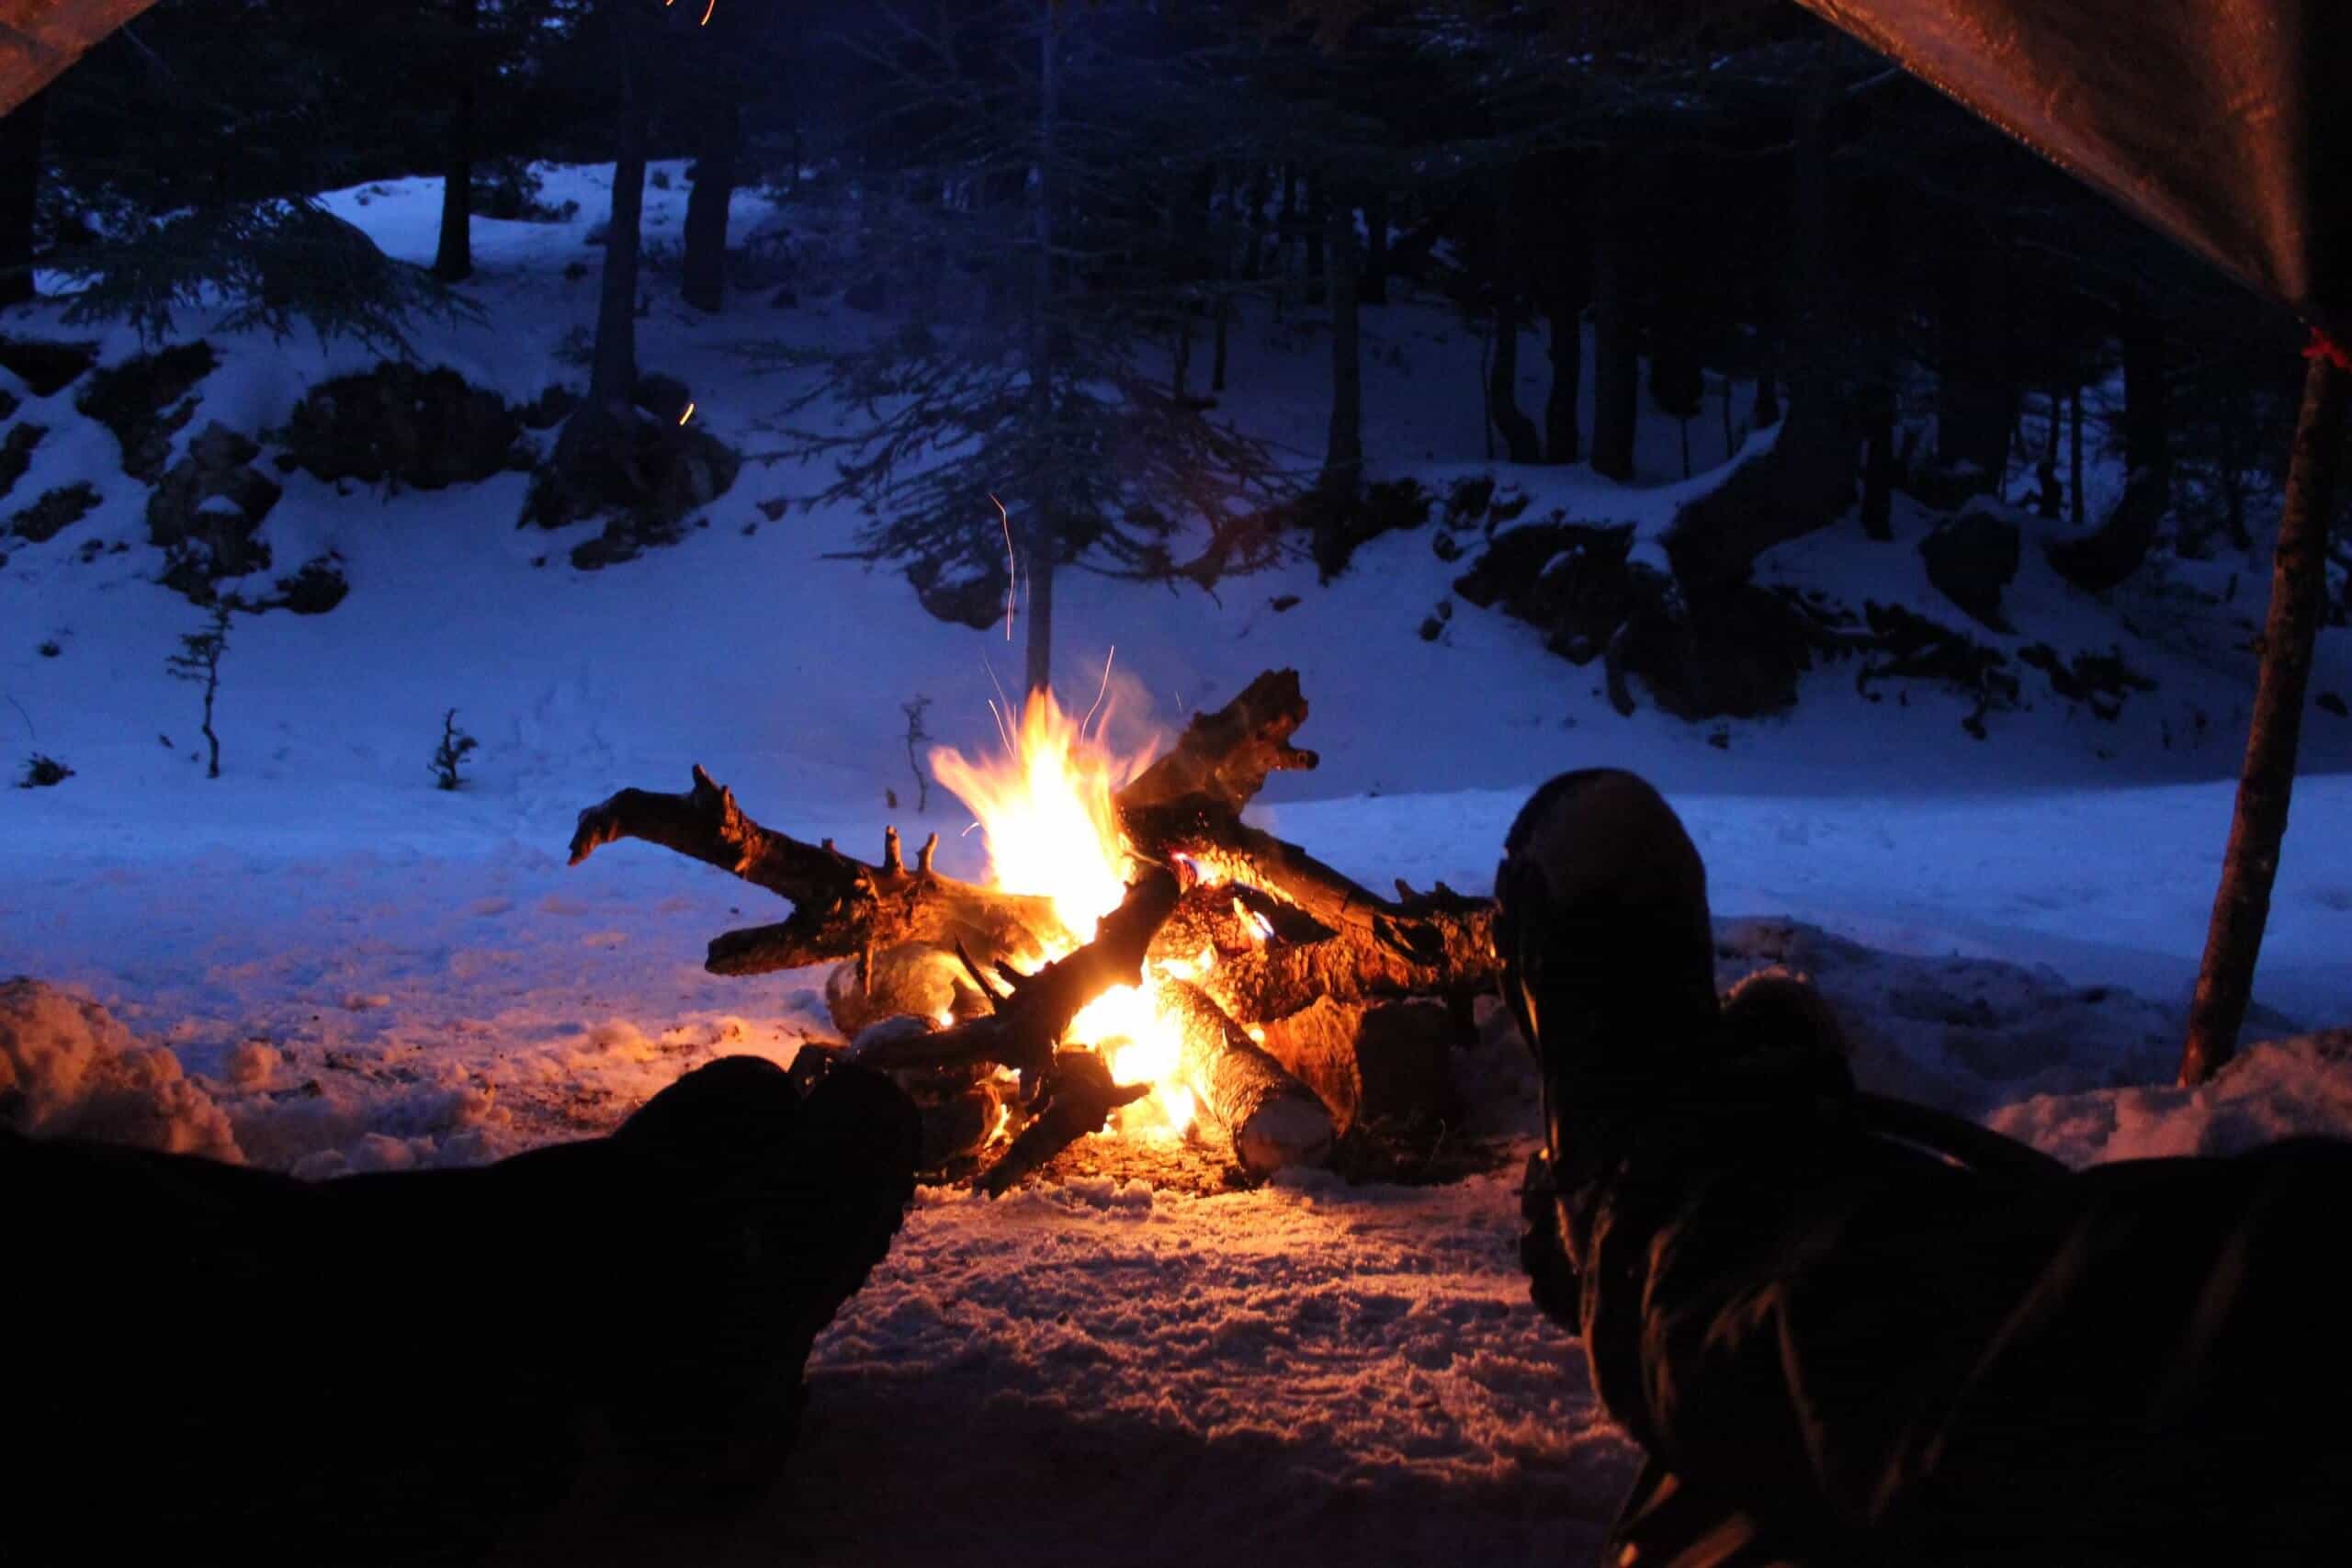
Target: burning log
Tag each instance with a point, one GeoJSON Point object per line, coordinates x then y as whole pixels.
{"type": "Point", "coordinates": [1189, 803]}
{"type": "Point", "coordinates": [1273, 1120]}
{"type": "Point", "coordinates": [1077, 1100]}
{"type": "Point", "coordinates": [841, 907]}
{"type": "Point", "coordinates": [1031, 1020]}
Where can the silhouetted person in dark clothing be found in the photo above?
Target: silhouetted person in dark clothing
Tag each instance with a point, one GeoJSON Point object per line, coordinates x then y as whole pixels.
{"type": "Point", "coordinates": [210, 1363]}
{"type": "Point", "coordinates": [1851, 1331]}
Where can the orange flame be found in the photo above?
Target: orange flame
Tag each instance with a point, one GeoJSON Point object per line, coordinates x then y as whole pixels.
{"type": "Point", "coordinates": [1045, 807]}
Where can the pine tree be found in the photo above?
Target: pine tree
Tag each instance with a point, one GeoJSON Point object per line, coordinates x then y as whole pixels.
{"type": "Point", "coordinates": [1021, 375]}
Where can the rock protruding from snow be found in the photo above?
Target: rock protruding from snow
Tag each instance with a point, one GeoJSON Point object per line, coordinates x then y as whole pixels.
{"type": "Point", "coordinates": [69, 1070]}
{"type": "Point", "coordinates": [1971, 558]}
{"type": "Point", "coordinates": [402, 426]}
{"type": "Point", "coordinates": [644, 470]}
{"type": "Point", "coordinates": [57, 510]}
{"type": "Point", "coordinates": [145, 400]}
{"type": "Point", "coordinates": [205, 512]}
{"type": "Point", "coordinates": [45, 365]}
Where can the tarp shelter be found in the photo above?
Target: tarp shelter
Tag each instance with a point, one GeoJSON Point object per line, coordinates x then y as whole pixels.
{"type": "Point", "coordinates": [39, 38]}
{"type": "Point", "coordinates": [2227, 125]}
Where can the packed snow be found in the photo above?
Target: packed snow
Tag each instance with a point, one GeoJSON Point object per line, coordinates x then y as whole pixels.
{"type": "Point", "coordinates": [321, 963]}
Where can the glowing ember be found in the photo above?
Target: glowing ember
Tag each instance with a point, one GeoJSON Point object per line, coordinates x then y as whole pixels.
{"type": "Point", "coordinates": [1045, 807]}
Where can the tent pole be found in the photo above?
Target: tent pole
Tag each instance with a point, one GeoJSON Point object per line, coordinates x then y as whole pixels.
{"type": "Point", "coordinates": [2298, 590]}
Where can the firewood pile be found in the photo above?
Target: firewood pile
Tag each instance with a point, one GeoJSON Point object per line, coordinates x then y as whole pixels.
{"type": "Point", "coordinates": [1300, 1007]}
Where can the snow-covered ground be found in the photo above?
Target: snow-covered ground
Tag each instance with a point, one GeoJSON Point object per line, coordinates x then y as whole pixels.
{"type": "Point", "coordinates": [362, 971]}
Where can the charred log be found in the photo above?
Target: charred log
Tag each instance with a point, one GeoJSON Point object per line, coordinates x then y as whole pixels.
{"type": "Point", "coordinates": [842, 908]}
{"type": "Point", "coordinates": [1034, 1011]}
{"type": "Point", "coordinates": [1078, 1100]}
{"type": "Point", "coordinates": [1189, 804]}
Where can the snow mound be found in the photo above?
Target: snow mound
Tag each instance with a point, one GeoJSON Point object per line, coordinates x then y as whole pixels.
{"type": "Point", "coordinates": [2299, 1087]}
{"type": "Point", "coordinates": [69, 1070]}
{"type": "Point", "coordinates": [1962, 1033]}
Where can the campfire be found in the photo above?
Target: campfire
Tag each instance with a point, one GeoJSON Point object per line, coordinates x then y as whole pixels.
{"type": "Point", "coordinates": [1140, 960]}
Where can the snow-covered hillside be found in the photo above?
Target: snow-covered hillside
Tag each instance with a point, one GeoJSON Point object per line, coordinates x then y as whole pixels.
{"type": "Point", "coordinates": [364, 971]}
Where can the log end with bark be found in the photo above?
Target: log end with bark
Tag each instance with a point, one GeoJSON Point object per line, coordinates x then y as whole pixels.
{"type": "Point", "coordinates": [1273, 1120]}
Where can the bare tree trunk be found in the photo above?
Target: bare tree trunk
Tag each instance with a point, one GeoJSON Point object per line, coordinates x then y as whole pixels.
{"type": "Point", "coordinates": [2258, 823]}
{"type": "Point", "coordinates": [1561, 442]}
{"type": "Point", "coordinates": [1374, 281]}
{"type": "Point", "coordinates": [1616, 342]}
{"type": "Point", "coordinates": [1318, 204]}
{"type": "Point", "coordinates": [1045, 520]}
{"type": "Point", "coordinates": [1767, 411]}
{"type": "Point", "coordinates": [1253, 259]}
{"type": "Point", "coordinates": [612, 379]}
{"type": "Point", "coordinates": [1976, 394]}
{"type": "Point", "coordinates": [704, 265]}
{"type": "Point", "coordinates": [1285, 231]}
{"type": "Point", "coordinates": [453, 259]}
{"type": "Point", "coordinates": [1517, 430]}
{"type": "Point", "coordinates": [2101, 560]}
{"type": "Point", "coordinates": [20, 147]}
{"type": "Point", "coordinates": [2047, 500]}
{"type": "Point", "coordinates": [1343, 452]}
{"type": "Point", "coordinates": [1224, 331]}
{"type": "Point", "coordinates": [2074, 502]}
{"type": "Point", "coordinates": [1878, 463]}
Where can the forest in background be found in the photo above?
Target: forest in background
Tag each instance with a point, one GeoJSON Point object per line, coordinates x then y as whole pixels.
{"type": "Point", "coordinates": [1728, 211]}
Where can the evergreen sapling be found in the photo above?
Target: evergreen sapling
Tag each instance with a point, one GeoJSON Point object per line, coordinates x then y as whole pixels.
{"type": "Point", "coordinates": [455, 746]}
{"type": "Point", "coordinates": [198, 663]}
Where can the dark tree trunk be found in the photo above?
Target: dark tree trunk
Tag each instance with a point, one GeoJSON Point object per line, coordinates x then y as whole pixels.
{"type": "Point", "coordinates": [704, 283]}
{"type": "Point", "coordinates": [20, 149]}
{"type": "Point", "coordinates": [2121, 546]}
{"type": "Point", "coordinates": [2074, 502]}
{"type": "Point", "coordinates": [1224, 318]}
{"type": "Point", "coordinates": [612, 379]}
{"type": "Point", "coordinates": [1517, 430]}
{"type": "Point", "coordinates": [2258, 823]}
{"type": "Point", "coordinates": [1043, 530]}
{"type": "Point", "coordinates": [2047, 501]}
{"type": "Point", "coordinates": [2147, 395]}
{"type": "Point", "coordinates": [1319, 206]}
{"type": "Point", "coordinates": [1878, 463]}
{"type": "Point", "coordinates": [1253, 259]}
{"type": "Point", "coordinates": [1616, 346]}
{"type": "Point", "coordinates": [1560, 439]}
{"type": "Point", "coordinates": [1343, 453]}
{"type": "Point", "coordinates": [1976, 395]}
{"type": "Point", "coordinates": [1768, 381]}
{"type": "Point", "coordinates": [1875, 326]}
{"type": "Point", "coordinates": [453, 259]}
{"type": "Point", "coordinates": [1286, 218]}
{"type": "Point", "coordinates": [1372, 282]}
{"type": "Point", "coordinates": [1040, 567]}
